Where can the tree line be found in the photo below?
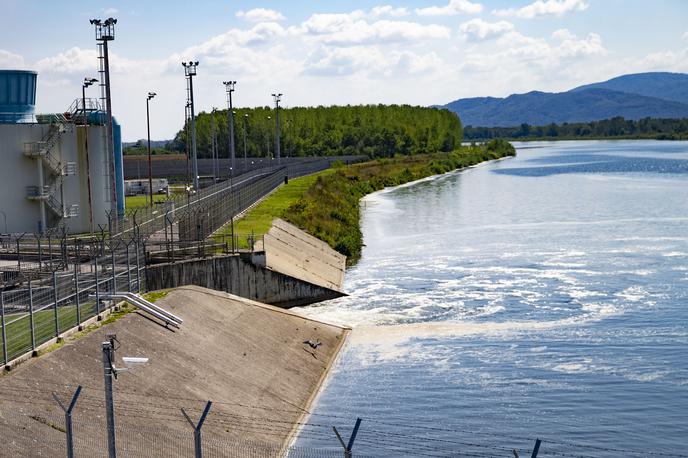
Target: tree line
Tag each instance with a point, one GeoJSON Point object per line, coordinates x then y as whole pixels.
{"type": "Point", "coordinates": [618, 127]}
{"type": "Point", "coordinates": [373, 130]}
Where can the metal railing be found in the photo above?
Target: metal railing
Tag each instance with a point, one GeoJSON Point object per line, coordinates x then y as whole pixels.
{"type": "Point", "coordinates": [55, 287]}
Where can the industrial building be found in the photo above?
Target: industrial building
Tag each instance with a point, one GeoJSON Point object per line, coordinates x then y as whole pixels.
{"type": "Point", "coordinates": [55, 167]}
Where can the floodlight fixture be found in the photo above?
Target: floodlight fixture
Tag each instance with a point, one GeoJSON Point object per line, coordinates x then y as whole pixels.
{"type": "Point", "coordinates": [190, 68]}
{"type": "Point", "coordinates": [105, 30]}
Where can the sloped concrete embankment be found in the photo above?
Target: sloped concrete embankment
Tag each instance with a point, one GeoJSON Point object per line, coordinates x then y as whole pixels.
{"type": "Point", "coordinates": [249, 358]}
{"type": "Point", "coordinates": [291, 268]}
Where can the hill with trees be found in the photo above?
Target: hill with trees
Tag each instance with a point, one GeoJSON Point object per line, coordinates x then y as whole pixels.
{"type": "Point", "coordinates": [373, 130]}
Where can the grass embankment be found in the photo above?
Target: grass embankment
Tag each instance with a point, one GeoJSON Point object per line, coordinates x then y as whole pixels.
{"type": "Point", "coordinates": [330, 211]}
{"type": "Point", "coordinates": [258, 220]}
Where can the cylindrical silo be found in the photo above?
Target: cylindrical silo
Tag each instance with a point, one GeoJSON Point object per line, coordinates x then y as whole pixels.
{"type": "Point", "coordinates": [17, 96]}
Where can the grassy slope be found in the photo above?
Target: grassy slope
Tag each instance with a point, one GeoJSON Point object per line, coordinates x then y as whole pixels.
{"type": "Point", "coordinates": [259, 219]}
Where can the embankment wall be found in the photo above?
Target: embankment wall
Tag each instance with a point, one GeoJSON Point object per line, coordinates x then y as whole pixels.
{"type": "Point", "coordinates": [235, 275]}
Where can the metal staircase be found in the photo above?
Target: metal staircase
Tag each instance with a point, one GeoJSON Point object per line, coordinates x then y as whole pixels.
{"type": "Point", "coordinates": [50, 184]}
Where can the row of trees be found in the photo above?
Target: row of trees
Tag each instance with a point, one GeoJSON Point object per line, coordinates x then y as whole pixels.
{"type": "Point", "coordinates": [618, 127]}
{"type": "Point", "coordinates": [373, 130]}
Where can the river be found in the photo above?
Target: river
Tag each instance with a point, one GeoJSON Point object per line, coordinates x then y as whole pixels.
{"type": "Point", "coordinates": [542, 296]}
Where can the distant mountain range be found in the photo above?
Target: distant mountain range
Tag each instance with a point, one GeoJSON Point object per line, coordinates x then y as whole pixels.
{"type": "Point", "coordinates": [656, 95]}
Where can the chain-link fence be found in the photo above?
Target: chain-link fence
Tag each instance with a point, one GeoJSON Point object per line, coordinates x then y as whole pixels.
{"type": "Point", "coordinates": [195, 216]}
{"type": "Point", "coordinates": [51, 290]}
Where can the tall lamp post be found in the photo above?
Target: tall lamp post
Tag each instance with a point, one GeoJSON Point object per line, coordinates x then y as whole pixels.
{"type": "Point", "coordinates": [277, 98]}
{"type": "Point", "coordinates": [190, 72]}
{"type": "Point", "coordinates": [267, 138]}
{"type": "Point", "coordinates": [105, 31]}
{"type": "Point", "coordinates": [87, 82]}
{"type": "Point", "coordinates": [245, 124]}
{"type": "Point", "coordinates": [150, 162]}
{"type": "Point", "coordinates": [229, 87]}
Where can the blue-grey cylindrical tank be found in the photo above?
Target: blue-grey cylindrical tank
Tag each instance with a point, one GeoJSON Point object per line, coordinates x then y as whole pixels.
{"type": "Point", "coordinates": [17, 96]}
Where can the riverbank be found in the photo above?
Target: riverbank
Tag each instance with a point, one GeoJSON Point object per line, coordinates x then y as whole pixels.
{"type": "Point", "coordinates": [330, 209]}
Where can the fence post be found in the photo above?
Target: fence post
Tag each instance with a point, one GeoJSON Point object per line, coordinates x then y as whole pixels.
{"type": "Point", "coordinates": [126, 248]}
{"type": "Point", "coordinates": [138, 267]}
{"type": "Point", "coordinates": [55, 299]}
{"type": "Point", "coordinates": [95, 261]}
{"type": "Point", "coordinates": [114, 274]}
{"type": "Point", "coordinates": [197, 429]}
{"type": "Point", "coordinates": [68, 419]}
{"type": "Point", "coordinates": [348, 446]}
{"type": "Point", "coordinates": [77, 268]}
{"type": "Point", "coordinates": [31, 323]}
{"type": "Point", "coordinates": [536, 449]}
{"type": "Point", "coordinates": [109, 373]}
{"type": "Point", "coordinates": [4, 333]}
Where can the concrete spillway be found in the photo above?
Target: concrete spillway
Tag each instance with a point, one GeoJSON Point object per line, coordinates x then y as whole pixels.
{"type": "Point", "coordinates": [249, 358]}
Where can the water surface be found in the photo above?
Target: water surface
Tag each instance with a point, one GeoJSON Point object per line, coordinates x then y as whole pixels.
{"type": "Point", "coordinates": [539, 296]}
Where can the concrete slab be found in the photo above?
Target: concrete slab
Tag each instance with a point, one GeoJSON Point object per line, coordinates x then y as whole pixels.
{"type": "Point", "coordinates": [293, 252]}
{"type": "Point", "coordinates": [248, 358]}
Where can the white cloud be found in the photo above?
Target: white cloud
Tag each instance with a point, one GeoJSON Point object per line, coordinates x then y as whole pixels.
{"type": "Point", "coordinates": [572, 46]}
{"type": "Point", "coordinates": [81, 61]}
{"type": "Point", "coordinates": [370, 61]}
{"type": "Point", "coordinates": [527, 54]}
{"type": "Point", "coordinates": [110, 11]}
{"type": "Point", "coordinates": [260, 15]}
{"type": "Point", "coordinates": [10, 60]}
{"type": "Point", "coordinates": [685, 36]}
{"type": "Point", "coordinates": [327, 23]}
{"type": "Point", "coordinates": [479, 30]}
{"type": "Point", "coordinates": [388, 10]}
{"type": "Point", "coordinates": [544, 8]}
{"type": "Point", "coordinates": [353, 29]}
{"type": "Point", "coordinates": [453, 8]}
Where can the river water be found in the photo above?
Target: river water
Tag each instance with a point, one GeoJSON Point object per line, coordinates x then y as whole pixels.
{"type": "Point", "coordinates": [540, 296]}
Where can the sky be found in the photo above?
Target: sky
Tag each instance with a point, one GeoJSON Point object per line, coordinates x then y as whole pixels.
{"type": "Point", "coordinates": [420, 52]}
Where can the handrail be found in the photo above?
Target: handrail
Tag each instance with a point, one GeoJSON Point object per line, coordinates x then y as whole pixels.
{"type": "Point", "coordinates": [147, 306]}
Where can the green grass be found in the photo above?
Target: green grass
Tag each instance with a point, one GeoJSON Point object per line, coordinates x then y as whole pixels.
{"type": "Point", "coordinates": [19, 332]}
{"type": "Point", "coordinates": [259, 219]}
{"type": "Point", "coordinates": [142, 201]}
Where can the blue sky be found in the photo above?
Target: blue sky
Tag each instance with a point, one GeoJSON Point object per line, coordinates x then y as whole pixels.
{"type": "Point", "coordinates": [323, 53]}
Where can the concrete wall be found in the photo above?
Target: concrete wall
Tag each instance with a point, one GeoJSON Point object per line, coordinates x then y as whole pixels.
{"type": "Point", "coordinates": [237, 276]}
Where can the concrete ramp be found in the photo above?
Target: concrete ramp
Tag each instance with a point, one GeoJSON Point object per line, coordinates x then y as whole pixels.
{"type": "Point", "coordinates": [293, 252]}
{"type": "Point", "coordinates": [247, 357]}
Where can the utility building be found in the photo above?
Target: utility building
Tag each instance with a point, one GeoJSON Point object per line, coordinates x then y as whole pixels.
{"type": "Point", "coordinates": [55, 168]}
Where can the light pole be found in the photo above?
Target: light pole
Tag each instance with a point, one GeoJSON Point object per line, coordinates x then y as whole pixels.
{"type": "Point", "coordinates": [110, 372]}
{"type": "Point", "coordinates": [267, 137]}
{"type": "Point", "coordinates": [105, 31]}
{"type": "Point", "coordinates": [150, 162]}
{"type": "Point", "coordinates": [277, 98]}
{"type": "Point", "coordinates": [190, 72]}
{"type": "Point", "coordinates": [87, 82]}
{"type": "Point", "coordinates": [186, 144]}
{"type": "Point", "coordinates": [229, 87]}
{"type": "Point", "coordinates": [245, 125]}
{"type": "Point", "coordinates": [213, 146]}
